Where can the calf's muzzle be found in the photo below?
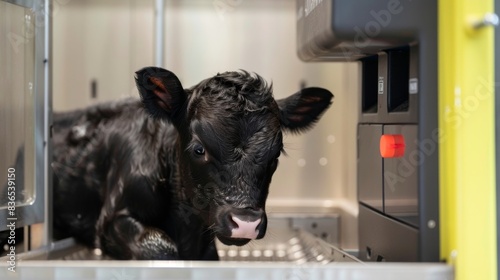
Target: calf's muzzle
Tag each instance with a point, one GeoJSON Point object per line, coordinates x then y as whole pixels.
{"type": "Point", "coordinates": [245, 223]}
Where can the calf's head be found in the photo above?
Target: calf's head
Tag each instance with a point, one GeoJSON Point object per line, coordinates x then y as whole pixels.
{"type": "Point", "coordinates": [229, 140]}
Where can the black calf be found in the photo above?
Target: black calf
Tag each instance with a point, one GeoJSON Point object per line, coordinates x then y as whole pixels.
{"type": "Point", "coordinates": [163, 187]}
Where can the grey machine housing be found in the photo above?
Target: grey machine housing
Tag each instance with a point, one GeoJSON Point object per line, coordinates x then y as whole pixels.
{"type": "Point", "coordinates": [395, 41]}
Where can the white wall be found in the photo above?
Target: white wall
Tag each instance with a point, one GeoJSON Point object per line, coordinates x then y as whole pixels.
{"type": "Point", "coordinates": [109, 40]}
{"type": "Point", "coordinates": [104, 40]}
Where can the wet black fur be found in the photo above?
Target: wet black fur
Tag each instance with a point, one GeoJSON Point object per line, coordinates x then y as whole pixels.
{"type": "Point", "coordinates": [130, 178]}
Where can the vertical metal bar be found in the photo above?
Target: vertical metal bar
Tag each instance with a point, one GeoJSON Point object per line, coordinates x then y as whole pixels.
{"type": "Point", "coordinates": [159, 32]}
{"type": "Point", "coordinates": [47, 60]}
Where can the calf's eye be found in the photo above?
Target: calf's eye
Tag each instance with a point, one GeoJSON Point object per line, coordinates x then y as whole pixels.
{"type": "Point", "coordinates": [199, 150]}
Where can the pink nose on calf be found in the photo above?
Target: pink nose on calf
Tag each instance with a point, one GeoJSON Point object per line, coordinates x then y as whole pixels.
{"type": "Point", "coordinates": [245, 229]}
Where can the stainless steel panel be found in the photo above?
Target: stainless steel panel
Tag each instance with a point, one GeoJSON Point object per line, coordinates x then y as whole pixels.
{"type": "Point", "coordinates": [401, 176]}
{"type": "Point", "coordinates": [17, 104]}
{"type": "Point", "coordinates": [384, 239]}
{"type": "Point", "coordinates": [370, 188]}
{"type": "Point", "coordinates": [22, 115]}
{"type": "Point", "coordinates": [137, 270]}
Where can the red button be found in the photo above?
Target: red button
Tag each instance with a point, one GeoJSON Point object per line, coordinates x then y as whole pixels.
{"type": "Point", "coordinates": [392, 146]}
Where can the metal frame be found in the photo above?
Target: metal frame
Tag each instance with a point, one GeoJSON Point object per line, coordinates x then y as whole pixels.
{"type": "Point", "coordinates": [225, 270]}
{"type": "Point", "coordinates": [159, 33]}
{"type": "Point", "coordinates": [35, 211]}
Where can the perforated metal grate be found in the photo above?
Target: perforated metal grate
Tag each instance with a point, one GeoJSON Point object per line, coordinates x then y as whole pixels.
{"type": "Point", "coordinates": [296, 246]}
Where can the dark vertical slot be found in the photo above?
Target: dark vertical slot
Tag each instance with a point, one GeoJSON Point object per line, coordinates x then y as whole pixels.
{"type": "Point", "coordinates": [369, 84]}
{"type": "Point", "coordinates": [368, 253]}
{"type": "Point", "coordinates": [399, 74]}
{"type": "Point", "coordinates": [93, 89]}
{"type": "Point", "coordinates": [303, 84]}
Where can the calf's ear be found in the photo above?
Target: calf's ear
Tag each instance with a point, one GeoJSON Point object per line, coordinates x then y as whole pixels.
{"type": "Point", "coordinates": [303, 109]}
{"type": "Point", "coordinates": [161, 92]}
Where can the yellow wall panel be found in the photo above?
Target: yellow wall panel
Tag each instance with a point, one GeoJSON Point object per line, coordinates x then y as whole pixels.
{"type": "Point", "coordinates": [467, 153]}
